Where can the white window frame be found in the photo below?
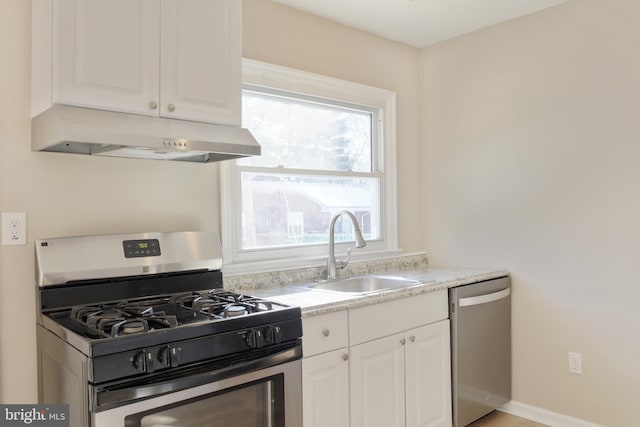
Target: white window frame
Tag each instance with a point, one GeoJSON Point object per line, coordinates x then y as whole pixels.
{"type": "Point", "coordinates": [256, 74]}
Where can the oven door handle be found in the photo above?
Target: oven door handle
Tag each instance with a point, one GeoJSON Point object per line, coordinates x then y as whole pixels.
{"type": "Point", "coordinates": [106, 398]}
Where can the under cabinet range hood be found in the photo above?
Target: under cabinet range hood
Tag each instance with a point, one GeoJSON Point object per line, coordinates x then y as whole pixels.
{"type": "Point", "coordinates": [67, 129]}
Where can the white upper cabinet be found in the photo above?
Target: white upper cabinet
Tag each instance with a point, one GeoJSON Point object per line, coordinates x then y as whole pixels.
{"type": "Point", "coordinates": [106, 54]}
{"type": "Point", "coordinates": [200, 73]}
{"type": "Point", "coordinates": [167, 58]}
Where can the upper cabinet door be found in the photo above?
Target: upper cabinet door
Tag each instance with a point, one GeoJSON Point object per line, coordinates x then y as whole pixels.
{"type": "Point", "coordinates": [200, 76]}
{"type": "Point", "coordinates": [107, 54]}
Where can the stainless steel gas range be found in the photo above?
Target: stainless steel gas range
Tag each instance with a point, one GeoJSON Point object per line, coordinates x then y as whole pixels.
{"type": "Point", "coordinates": [136, 330]}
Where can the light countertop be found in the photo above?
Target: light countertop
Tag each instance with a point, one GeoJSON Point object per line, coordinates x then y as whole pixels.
{"type": "Point", "coordinates": [433, 278]}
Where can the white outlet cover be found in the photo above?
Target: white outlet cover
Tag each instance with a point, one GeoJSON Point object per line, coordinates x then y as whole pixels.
{"type": "Point", "coordinates": [14, 228]}
{"type": "Point", "coordinates": [575, 363]}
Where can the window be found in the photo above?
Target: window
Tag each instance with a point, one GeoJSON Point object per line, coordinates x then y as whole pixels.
{"type": "Point", "coordinates": [327, 145]}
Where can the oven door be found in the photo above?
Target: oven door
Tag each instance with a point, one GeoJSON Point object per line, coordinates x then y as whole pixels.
{"type": "Point", "coordinates": [248, 394]}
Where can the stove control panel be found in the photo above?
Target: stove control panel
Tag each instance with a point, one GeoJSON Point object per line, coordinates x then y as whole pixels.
{"type": "Point", "coordinates": [185, 352]}
{"type": "Point", "coordinates": [141, 248]}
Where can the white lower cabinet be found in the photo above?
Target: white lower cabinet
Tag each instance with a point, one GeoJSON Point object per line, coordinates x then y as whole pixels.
{"type": "Point", "coordinates": [428, 376]}
{"type": "Point", "coordinates": [383, 373]}
{"type": "Point", "coordinates": [325, 370]}
{"type": "Point", "coordinates": [377, 383]}
{"type": "Point", "coordinates": [403, 380]}
{"type": "Point", "coordinates": [325, 389]}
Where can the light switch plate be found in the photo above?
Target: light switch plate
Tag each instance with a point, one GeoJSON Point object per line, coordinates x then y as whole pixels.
{"type": "Point", "coordinates": [14, 228]}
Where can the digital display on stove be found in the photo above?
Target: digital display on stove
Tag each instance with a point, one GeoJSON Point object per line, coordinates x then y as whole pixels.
{"type": "Point", "coordinates": [141, 248]}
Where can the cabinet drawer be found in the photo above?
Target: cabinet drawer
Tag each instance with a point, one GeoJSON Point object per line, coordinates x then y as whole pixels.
{"type": "Point", "coordinates": [379, 320]}
{"type": "Point", "coordinates": [324, 333]}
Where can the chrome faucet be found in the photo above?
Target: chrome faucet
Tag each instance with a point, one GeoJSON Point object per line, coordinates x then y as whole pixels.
{"type": "Point", "coordinates": [332, 264]}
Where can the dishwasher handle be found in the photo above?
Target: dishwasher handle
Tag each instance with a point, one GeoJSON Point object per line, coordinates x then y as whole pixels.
{"type": "Point", "coordinates": [483, 299]}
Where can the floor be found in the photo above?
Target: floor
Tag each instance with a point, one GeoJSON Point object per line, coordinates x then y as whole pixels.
{"type": "Point", "coordinates": [500, 419]}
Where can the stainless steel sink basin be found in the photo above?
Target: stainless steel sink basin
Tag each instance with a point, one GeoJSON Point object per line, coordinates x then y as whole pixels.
{"type": "Point", "coordinates": [364, 284]}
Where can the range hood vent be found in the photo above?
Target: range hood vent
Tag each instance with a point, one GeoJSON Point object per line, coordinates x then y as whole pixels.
{"type": "Point", "coordinates": [67, 129]}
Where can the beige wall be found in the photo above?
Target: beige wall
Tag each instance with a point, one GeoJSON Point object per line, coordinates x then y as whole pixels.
{"type": "Point", "coordinates": [70, 195]}
{"type": "Point", "coordinates": [531, 163]}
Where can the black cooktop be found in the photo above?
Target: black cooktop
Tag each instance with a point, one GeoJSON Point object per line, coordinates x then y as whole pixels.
{"type": "Point", "coordinates": [159, 313]}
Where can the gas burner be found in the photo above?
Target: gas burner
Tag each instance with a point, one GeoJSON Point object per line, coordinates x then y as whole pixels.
{"type": "Point", "coordinates": [124, 318]}
{"type": "Point", "coordinates": [220, 304]}
{"type": "Point", "coordinates": [233, 310]}
{"type": "Point", "coordinates": [252, 304]}
{"type": "Point", "coordinates": [216, 309]}
{"type": "Point", "coordinates": [128, 327]}
{"type": "Point", "coordinates": [259, 305]}
{"type": "Point", "coordinates": [202, 303]}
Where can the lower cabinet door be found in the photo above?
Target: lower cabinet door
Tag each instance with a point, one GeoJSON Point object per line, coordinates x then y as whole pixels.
{"type": "Point", "coordinates": [325, 389]}
{"type": "Point", "coordinates": [377, 383]}
{"type": "Point", "coordinates": [428, 376]}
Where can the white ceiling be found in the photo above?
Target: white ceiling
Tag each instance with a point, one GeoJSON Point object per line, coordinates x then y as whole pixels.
{"type": "Point", "coordinates": [419, 23]}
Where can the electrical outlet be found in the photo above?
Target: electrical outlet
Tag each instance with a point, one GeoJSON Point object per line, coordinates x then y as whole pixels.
{"type": "Point", "coordinates": [14, 228]}
{"type": "Point", "coordinates": [575, 363]}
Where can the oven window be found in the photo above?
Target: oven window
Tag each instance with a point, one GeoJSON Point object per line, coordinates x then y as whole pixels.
{"type": "Point", "coordinates": [257, 404]}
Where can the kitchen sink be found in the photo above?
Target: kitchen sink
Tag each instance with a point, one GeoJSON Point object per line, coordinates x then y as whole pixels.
{"type": "Point", "coordinates": [364, 284]}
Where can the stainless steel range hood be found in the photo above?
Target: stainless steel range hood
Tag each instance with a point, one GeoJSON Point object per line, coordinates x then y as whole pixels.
{"type": "Point", "coordinates": [67, 129]}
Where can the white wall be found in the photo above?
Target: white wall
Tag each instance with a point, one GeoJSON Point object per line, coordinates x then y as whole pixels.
{"type": "Point", "coordinates": [65, 194]}
{"type": "Point", "coordinates": [531, 163]}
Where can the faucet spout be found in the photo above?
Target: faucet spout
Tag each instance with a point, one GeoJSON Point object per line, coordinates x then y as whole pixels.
{"type": "Point", "coordinates": [332, 264]}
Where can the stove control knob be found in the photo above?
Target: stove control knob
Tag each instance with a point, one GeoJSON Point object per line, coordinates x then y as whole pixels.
{"type": "Point", "coordinates": [150, 362]}
{"type": "Point", "coordinates": [139, 361]}
{"type": "Point", "coordinates": [164, 360]}
{"type": "Point", "coordinates": [273, 335]}
{"type": "Point", "coordinates": [175, 356]}
{"type": "Point", "coordinates": [169, 356]}
{"type": "Point", "coordinates": [144, 362]}
{"type": "Point", "coordinates": [254, 338]}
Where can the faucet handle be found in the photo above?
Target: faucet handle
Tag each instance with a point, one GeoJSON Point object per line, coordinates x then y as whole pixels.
{"type": "Point", "coordinates": [344, 262]}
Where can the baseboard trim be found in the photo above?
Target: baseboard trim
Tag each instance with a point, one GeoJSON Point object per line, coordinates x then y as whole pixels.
{"type": "Point", "coordinates": [543, 416]}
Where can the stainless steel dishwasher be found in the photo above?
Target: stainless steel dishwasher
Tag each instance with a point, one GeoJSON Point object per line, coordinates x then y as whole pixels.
{"type": "Point", "coordinates": [480, 348]}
